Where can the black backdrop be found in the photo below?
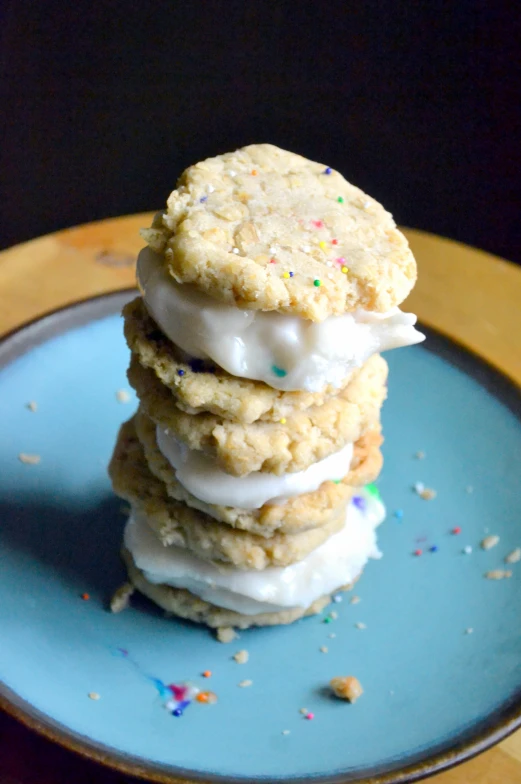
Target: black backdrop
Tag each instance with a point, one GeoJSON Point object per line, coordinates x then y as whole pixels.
{"type": "Point", "coordinates": [417, 102]}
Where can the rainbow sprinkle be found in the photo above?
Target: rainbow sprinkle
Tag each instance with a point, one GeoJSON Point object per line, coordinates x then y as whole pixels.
{"type": "Point", "coordinates": [340, 200]}
{"type": "Point", "coordinates": [317, 282]}
{"type": "Point", "coordinates": [279, 372]}
{"type": "Point", "coordinates": [176, 697]}
{"type": "Point", "coordinates": [328, 170]}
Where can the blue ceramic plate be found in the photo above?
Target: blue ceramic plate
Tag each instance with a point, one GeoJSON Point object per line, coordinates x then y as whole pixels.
{"type": "Point", "coordinates": [435, 691]}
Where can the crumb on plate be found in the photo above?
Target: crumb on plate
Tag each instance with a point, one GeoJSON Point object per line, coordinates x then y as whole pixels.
{"type": "Point", "coordinates": [121, 597]}
{"type": "Point", "coordinates": [346, 687]}
{"type": "Point", "coordinates": [514, 556]}
{"type": "Point", "coordinates": [245, 684]}
{"type": "Point", "coordinates": [122, 396]}
{"type": "Point", "coordinates": [428, 494]}
{"type": "Point", "coordinates": [226, 634]}
{"type": "Point", "coordinates": [498, 574]}
{"type": "Point", "coordinates": [489, 542]}
{"type": "Point", "coordinates": [23, 457]}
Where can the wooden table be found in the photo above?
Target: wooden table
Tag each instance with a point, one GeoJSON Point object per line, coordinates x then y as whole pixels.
{"type": "Point", "coordinates": [471, 296]}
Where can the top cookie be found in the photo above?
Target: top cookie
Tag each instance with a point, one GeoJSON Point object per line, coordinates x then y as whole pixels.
{"type": "Point", "coordinates": [266, 229]}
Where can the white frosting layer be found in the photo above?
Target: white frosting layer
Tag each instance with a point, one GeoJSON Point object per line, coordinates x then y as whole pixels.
{"type": "Point", "coordinates": [335, 563]}
{"type": "Point", "coordinates": [286, 352]}
{"type": "Point", "coordinates": [201, 477]}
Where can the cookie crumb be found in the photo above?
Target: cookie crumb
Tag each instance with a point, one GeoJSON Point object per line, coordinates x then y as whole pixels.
{"type": "Point", "coordinates": [122, 396]}
{"type": "Point", "coordinates": [354, 600]}
{"type": "Point", "coordinates": [498, 574]}
{"type": "Point", "coordinates": [489, 542]}
{"type": "Point", "coordinates": [428, 494]}
{"type": "Point", "coordinates": [419, 455]}
{"type": "Point", "coordinates": [23, 457]}
{"type": "Point", "coordinates": [360, 625]}
{"type": "Point", "coordinates": [514, 556]}
{"type": "Point", "coordinates": [245, 684]}
{"type": "Point", "coordinates": [303, 711]}
{"type": "Point", "coordinates": [226, 634]}
{"type": "Point", "coordinates": [331, 636]}
{"type": "Point", "coordinates": [121, 598]}
{"type": "Point", "coordinates": [286, 732]}
{"type": "Point", "coordinates": [93, 695]}
{"type": "Point", "coordinates": [324, 649]}
{"type": "Point", "coordinates": [241, 657]}
{"type": "Point", "coordinates": [469, 630]}
{"type": "Point", "coordinates": [469, 489]}
{"type": "Point", "coordinates": [346, 688]}
{"type": "Point", "coordinates": [32, 405]}
{"type": "Point", "coordinates": [333, 615]}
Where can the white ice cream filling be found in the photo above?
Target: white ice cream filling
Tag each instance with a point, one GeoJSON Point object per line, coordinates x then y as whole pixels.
{"type": "Point", "coordinates": [199, 474]}
{"type": "Point", "coordinates": [286, 352]}
{"type": "Point", "coordinates": [337, 562]}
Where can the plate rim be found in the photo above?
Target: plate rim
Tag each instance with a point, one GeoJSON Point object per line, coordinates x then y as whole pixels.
{"type": "Point", "coordinates": [467, 745]}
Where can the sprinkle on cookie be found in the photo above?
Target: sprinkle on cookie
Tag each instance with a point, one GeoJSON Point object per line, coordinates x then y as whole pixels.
{"type": "Point", "coordinates": [489, 542]}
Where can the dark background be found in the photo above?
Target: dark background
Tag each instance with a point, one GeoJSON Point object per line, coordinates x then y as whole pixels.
{"type": "Point", "coordinates": [104, 103]}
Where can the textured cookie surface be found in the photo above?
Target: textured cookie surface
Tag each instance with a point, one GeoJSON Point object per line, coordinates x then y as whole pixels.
{"type": "Point", "coordinates": [177, 524]}
{"type": "Point", "coordinates": [185, 605]}
{"type": "Point", "coordinates": [304, 438]}
{"type": "Point", "coordinates": [237, 225]}
{"type": "Point", "coordinates": [300, 513]}
{"type": "Point", "coordinates": [198, 390]}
